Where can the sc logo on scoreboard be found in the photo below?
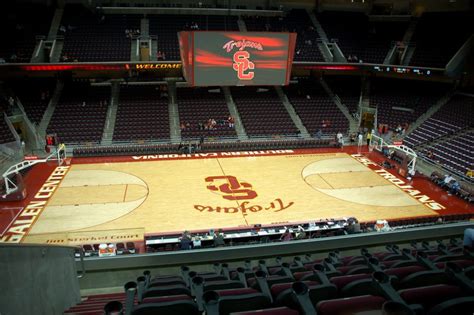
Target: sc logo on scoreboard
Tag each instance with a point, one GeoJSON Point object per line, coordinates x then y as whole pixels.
{"type": "Point", "coordinates": [242, 64]}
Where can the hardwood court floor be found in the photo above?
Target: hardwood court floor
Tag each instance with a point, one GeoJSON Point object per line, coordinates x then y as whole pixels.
{"type": "Point", "coordinates": [199, 194]}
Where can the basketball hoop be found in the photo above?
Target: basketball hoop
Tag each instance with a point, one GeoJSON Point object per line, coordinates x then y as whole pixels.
{"type": "Point", "coordinates": [59, 155]}
{"type": "Point", "coordinates": [383, 147]}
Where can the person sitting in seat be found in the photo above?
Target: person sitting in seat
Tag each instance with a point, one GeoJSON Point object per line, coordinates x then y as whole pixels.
{"type": "Point", "coordinates": [300, 233]}
{"type": "Point", "coordinates": [455, 187]}
{"type": "Point", "coordinates": [286, 236]}
{"type": "Point", "coordinates": [185, 241]}
{"type": "Point", "coordinates": [447, 179]}
{"type": "Point", "coordinates": [219, 238]}
{"type": "Point", "coordinates": [468, 240]}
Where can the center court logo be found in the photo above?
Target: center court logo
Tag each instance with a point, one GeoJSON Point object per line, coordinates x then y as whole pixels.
{"type": "Point", "coordinates": [230, 188]}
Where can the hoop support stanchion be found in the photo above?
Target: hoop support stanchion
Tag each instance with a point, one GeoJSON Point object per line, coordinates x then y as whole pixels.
{"type": "Point", "coordinates": [379, 144]}
{"type": "Point", "coordinates": [58, 154]}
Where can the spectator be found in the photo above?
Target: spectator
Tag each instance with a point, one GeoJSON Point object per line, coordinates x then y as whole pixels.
{"type": "Point", "coordinates": [286, 236]}
{"type": "Point", "coordinates": [319, 134]}
{"type": "Point", "coordinates": [399, 129]}
{"type": "Point", "coordinates": [231, 121]}
{"type": "Point", "coordinates": [185, 241]}
{"type": "Point", "coordinates": [468, 241]}
{"type": "Point", "coordinates": [430, 154]}
{"type": "Point", "coordinates": [353, 138]}
{"type": "Point", "coordinates": [160, 55]}
{"type": "Point", "coordinates": [369, 137]}
{"type": "Point", "coordinates": [219, 238]}
{"type": "Point", "coordinates": [447, 179]}
{"type": "Point", "coordinates": [455, 187]}
{"type": "Point", "coordinates": [340, 140]}
{"type": "Point", "coordinates": [196, 241]}
{"type": "Point", "coordinates": [354, 226]}
{"type": "Point", "coordinates": [300, 233]}
{"type": "Point", "coordinates": [11, 102]}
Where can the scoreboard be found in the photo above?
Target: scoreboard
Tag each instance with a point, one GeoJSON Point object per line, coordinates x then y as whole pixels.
{"type": "Point", "coordinates": [236, 58]}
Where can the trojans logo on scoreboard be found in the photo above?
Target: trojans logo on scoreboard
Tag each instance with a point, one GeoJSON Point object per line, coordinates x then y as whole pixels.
{"type": "Point", "coordinates": [241, 57]}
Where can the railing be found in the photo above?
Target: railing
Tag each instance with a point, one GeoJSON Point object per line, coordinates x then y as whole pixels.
{"type": "Point", "coordinates": [256, 251]}
{"type": "Point", "coordinates": [39, 46]}
{"type": "Point", "coordinates": [53, 47]}
{"type": "Point", "coordinates": [208, 139]}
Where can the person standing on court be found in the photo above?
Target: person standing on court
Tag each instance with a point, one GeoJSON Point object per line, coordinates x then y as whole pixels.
{"type": "Point", "coordinates": [369, 137]}
{"type": "Point", "coordinates": [360, 139]}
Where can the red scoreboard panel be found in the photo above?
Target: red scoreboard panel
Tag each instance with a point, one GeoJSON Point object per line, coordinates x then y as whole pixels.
{"type": "Point", "coordinates": [237, 58]}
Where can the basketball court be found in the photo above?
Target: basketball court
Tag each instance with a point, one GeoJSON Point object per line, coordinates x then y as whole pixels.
{"type": "Point", "coordinates": [160, 194]}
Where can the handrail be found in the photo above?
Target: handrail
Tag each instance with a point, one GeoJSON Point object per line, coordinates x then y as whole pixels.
{"type": "Point", "coordinates": [219, 139]}
{"type": "Point", "coordinates": [38, 48]}
{"type": "Point", "coordinates": [137, 53]}
{"type": "Point", "coordinates": [52, 49]}
{"type": "Point", "coordinates": [150, 47]}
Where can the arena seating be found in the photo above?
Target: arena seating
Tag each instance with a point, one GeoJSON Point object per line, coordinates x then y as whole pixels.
{"type": "Point", "coordinates": [432, 278]}
{"type": "Point", "coordinates": [6, 135]}
{"type": "Point", "coordinates": [417, 97]}
{"type": "Point", "coordinates": [433, 50]}
{"type": "Point", "coordinates": [80, 113]}
{"type": "Point", "coordinates": [296, 20]}
{"type": "Point", "coordinates": [19, 26]}
{"type": "Point", "coordinates": [262, 112]}
{"type": "Point", "coordinates": [197, 106]}
{"type": "Point", "coordinates": [34, 95]}
{"type": "Point", "coordinates": [96, 37]}
{"type": "Point", "coordinates": [313, 105]}
{"type": "Point", "coordinates": [356, 36]}
{"type": "Point", "coordinates": [205, 147]}
{"type": "Point", "coordinates": [455, 154]}
{"type": "Point", "coordinates": [348, 89]}
{"type": "Point", "coordinates": [142, 114]}
{"type": "Point", "coordinates": [453, 116]}
{"type": "Point", "coordinates": [165, 27]}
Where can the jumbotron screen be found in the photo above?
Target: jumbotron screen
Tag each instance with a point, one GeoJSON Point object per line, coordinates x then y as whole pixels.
{"type": "Point", "coordinates": [237, 58]}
